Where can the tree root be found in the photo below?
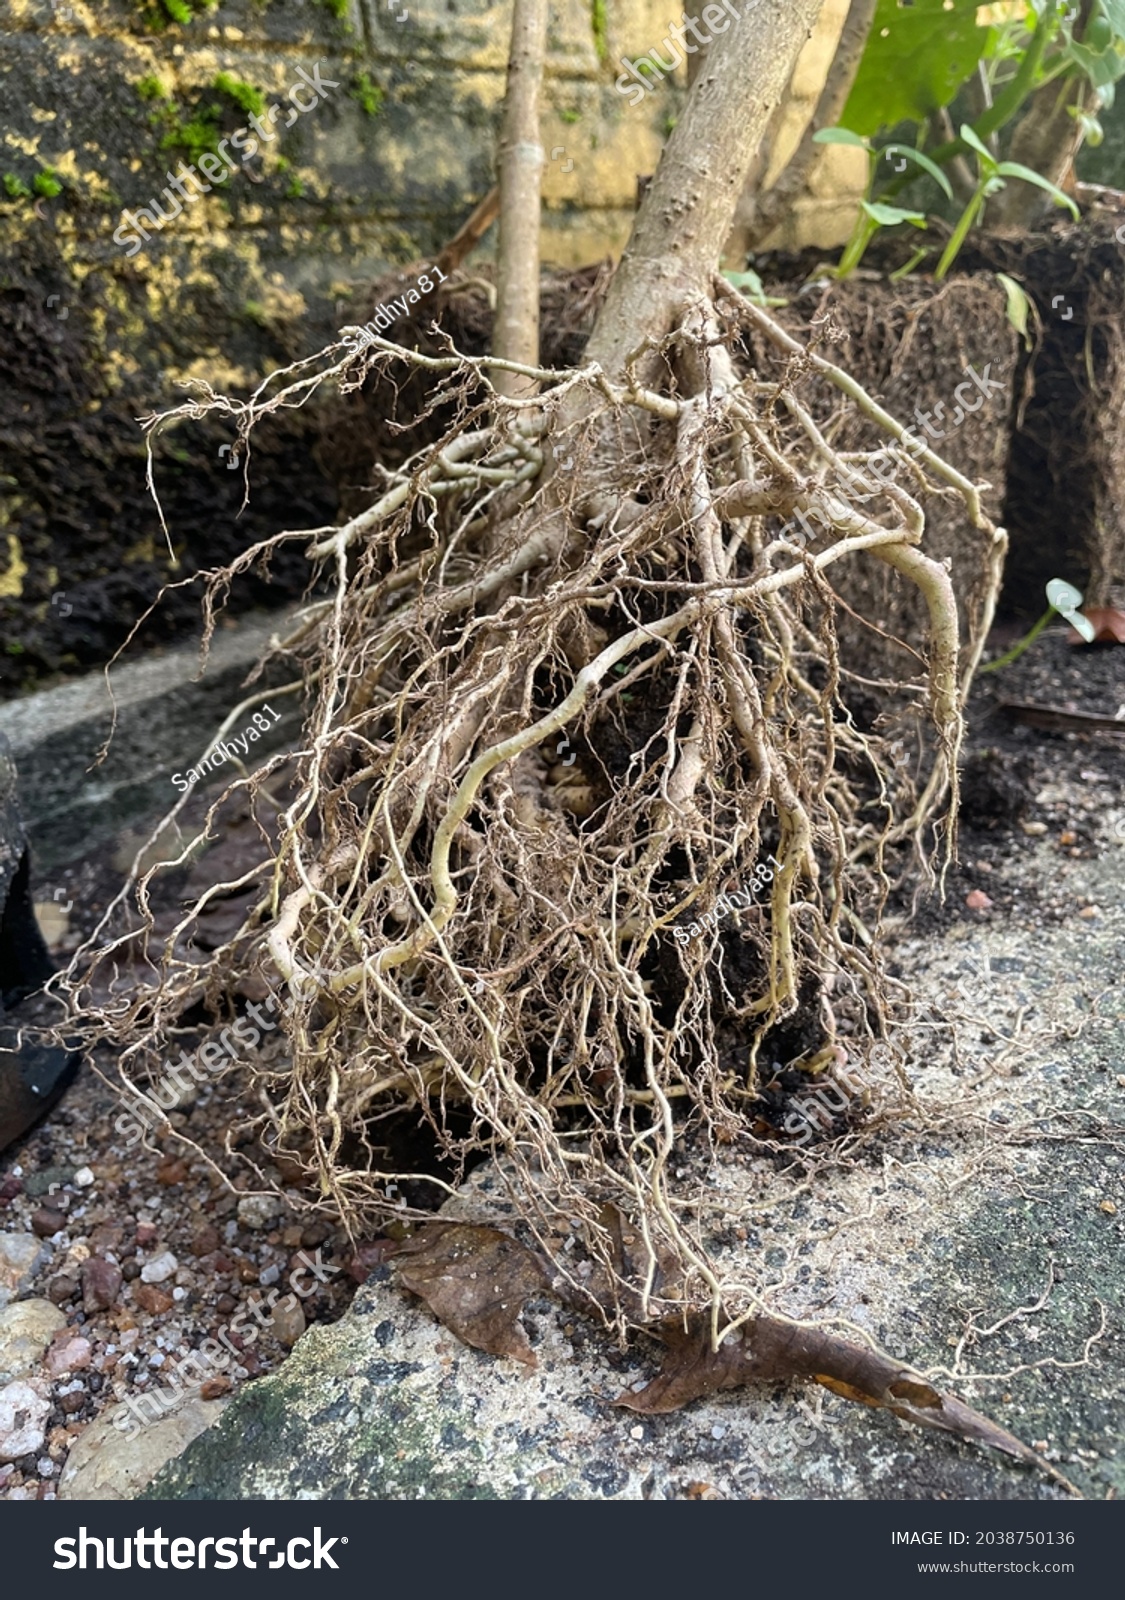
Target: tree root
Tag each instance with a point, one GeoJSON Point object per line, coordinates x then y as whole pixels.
{"type": "Point", "coordinates": [474, 933]}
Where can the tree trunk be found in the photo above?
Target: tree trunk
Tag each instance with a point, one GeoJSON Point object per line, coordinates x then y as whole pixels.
{"type": "Point", "coordinates": [516, 335]}
{"type": "Point", "coordinates": [1047, 140]}
{"type": "Point", "coordinates": [689, 208]}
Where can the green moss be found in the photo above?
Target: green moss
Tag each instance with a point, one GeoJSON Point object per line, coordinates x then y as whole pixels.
{"type": "Point", "coordinates": [368, 94]}
{"type": "Point", "coordinates": [196, 137]}
{"type": "Point", "coordinates": [160, 14]}
{"type": "Point", "coordinates": [151, 88]}
{"type": "Point", "coordinates": [294, 189]}
{"type": "Point", "coordinates": [338, 8]}
{"type": "Point", "coordinates": [243, 94]}
{"type": "Point", "coordinates": [600, 29]}
{"type": "Point", "coordinates": [197, 132]}
{"type": "Point", "coordinates": [46, 183]}
{"type": "Point", "coordinates": [570, 117]}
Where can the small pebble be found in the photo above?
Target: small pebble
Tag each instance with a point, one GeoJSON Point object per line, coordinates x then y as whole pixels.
{"type": "Point", "coordinates": [159, 1268]}
{"type": "Point", "coordinates": [214, 1387]}
{"type": "Point", "coordinates": [269, 1276]}
{"type": "Point", "coordinates": [288, 1319]}
{"type": "Point", "coordinates": [61, 1289]}
{"type": "Point", "coordinates": [45, 1222]}
{"type": "Point", "coordinates": [23, 1417]}
{"type": "Point", "coordinates": [83, 1178]}
{"type": "Point", "coordinates": [68, 1353]}
{"type": "Point", "coordinates": [101, 1283]}
{"type": "Point", "coordinates": [152, 1299]}
{"type": "Point", "coordinates": [257, 1210]}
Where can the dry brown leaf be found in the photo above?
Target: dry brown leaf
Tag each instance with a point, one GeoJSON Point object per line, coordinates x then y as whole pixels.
{"type": "Point", "coordinates": [1108, 624]}
{"type": "Point", "coordinates": [475, 1280]}
{"type": "Point", "coordinates": [768, 1350]}
{"type": "Point", "coordinates": [632, 1261]}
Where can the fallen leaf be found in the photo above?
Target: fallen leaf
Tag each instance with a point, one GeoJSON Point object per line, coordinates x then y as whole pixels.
{"type": "Point", "coordinates": [475, 1280]}
{"type": "Point", "coordinates": [1108, 624]}
{"type": "Point", "coordinates": [768, 1350]}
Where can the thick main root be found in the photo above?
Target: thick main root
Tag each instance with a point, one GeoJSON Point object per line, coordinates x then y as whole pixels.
{"type": "Point", "coordinates": [573, 680]}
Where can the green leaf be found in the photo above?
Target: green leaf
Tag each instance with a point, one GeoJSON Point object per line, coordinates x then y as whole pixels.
{"type": "Point", "coordinates": [1019, 306]}
{"type": "Point", "coordinates": [1102, 67]}
{"type": "Point", "coordinates": [915, 60]}
{"type": "Point", "coordinates": [1016, 169]}
{"type": "Point", "coordinates": [978, 145]}
{"type": "Point", "coordinates": [922, 161]}
{"type": "Point", "coordinates": [1114, 13]}
{"type": "Point", "coordinates": [838, 136]}
{"type": "Point", "coordinates": [889, 216]}
{"type": "Point", "coordinates": [745, 280]}
{"type": "Point", "coordinates": [751, 286]}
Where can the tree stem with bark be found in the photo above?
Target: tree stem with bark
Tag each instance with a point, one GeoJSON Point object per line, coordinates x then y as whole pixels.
{"type": "Point", "coordinates": [689, 207]}
{"type": "Point", "coordinates": [516, 333]}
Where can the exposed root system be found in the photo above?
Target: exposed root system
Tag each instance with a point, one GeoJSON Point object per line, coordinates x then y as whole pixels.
{"type": "Point", "coordinates": [570, 678]}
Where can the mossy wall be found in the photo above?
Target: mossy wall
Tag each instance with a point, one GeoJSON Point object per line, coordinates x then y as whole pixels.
{"type": "Point", "coordinates": [101, 100]}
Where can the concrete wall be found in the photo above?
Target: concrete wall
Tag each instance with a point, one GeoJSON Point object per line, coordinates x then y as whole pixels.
{"type": "Point", "coordinates": [377, 185]}
{"type": "Point", "coordinates": [100, 104]}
